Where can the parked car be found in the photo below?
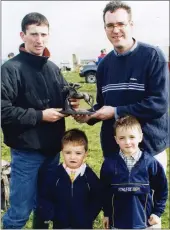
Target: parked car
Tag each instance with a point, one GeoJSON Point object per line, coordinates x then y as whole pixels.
{"type": "Point", "coordinates": [89, 72]}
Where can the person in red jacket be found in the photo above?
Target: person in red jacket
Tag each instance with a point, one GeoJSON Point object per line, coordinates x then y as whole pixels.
{"type": "Point", "coordinates": [102, 55]}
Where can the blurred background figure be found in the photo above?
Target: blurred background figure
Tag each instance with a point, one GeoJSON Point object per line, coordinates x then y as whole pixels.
{"type": "Point", "coordinates": [11, 55]}
{"type": "Point", "coordinates": [101, 56]}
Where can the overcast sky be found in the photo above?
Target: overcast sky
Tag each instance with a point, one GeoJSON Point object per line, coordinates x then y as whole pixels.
{"type": "Point", "coordinates": [77, 26]}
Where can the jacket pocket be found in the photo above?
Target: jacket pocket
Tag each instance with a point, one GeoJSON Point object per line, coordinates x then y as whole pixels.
{"type": "Point", "coordinates": [133, 215]}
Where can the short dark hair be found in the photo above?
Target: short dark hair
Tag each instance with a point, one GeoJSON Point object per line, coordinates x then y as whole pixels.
{"type": "Point", "coordinates": [11, 55]}
{"type": "Point", "coordinates": [33, 18]}
{"type": "Point", "coordinates": [115, 5]}
{"type": "Point", "coordinates": [75, 136]}
{"type": "Point", "coordinates": [127, 122]}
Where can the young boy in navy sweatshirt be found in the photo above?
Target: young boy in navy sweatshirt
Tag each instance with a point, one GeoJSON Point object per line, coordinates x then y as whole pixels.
{"type": "Point", "coordinates": [135, 185]}
{"type": "Point", "coordinates": [69, 193]}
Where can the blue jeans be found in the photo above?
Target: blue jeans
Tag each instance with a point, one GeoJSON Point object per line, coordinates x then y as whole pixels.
{"type": "Point", "coordinates": [23, 186]}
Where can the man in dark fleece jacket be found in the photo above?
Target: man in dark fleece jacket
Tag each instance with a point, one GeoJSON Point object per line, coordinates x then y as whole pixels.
{"type": "Point", "coordinates": [32, 127]}
{"type": "Point", "coordinates": [131, 79]}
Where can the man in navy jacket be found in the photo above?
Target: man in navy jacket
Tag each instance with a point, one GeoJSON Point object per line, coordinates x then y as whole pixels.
{"type": "Point", "coordinates": [131, 79]}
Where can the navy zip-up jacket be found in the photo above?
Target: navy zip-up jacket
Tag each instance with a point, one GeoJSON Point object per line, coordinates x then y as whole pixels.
{"type": "Point", "coordinates": [127, 196]}
{"type": "Point", "coordinates": [136, 84]}
{"type": "Point", "coordinates": [69, 205]}
{"type": "Point", "coordinates": [31, 84]}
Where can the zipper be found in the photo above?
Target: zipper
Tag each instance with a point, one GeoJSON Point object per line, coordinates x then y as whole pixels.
{"type": "Point", "coordinates": [116, 171]}
{"type": "Point", "coordinates": [87, 182]}
{"type": "Point", "coordinates": [129, 177]}
{"type": "Point", "coordinates": [113, 210]}
{"type": "Point", "coordinates": [134, 166]}
{"type": "Point", "coordinates": [145, 209]}
{"type": "Point", "coordinates": [72, 189]}
{"type": "Point", "coordinates": [57, 182]}
{"type": "Point", "coordinates": [88, 186]}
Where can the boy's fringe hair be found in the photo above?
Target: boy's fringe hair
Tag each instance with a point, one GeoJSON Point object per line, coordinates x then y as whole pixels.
{"type": "Point", "coordinates": [127, 121]}
{"type": "Point", "coordinates": [75, 136]}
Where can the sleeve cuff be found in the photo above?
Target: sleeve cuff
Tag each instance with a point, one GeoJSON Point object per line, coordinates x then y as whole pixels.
{"type": "Point", "coordinates": [39, 116]}
{"type": "Point", "coordinates": [157, 213]}
{"type": "Point", "coordinates": [116, 115]}
{"type": "Point", "coordinates": [93, 121]}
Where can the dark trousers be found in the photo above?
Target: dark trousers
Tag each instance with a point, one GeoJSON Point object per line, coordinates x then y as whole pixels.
{"type": "Point", "coordinates": [38, 223]}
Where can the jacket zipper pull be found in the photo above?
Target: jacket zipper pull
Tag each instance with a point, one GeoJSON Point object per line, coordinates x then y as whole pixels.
{"type": "Point", "coordinates": [72, 189]}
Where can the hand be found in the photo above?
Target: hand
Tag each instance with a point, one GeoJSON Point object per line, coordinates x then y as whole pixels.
{"type": "Point", "coordinates": [74, 103]}
{"type": "Point", "coordinates": [83, 118]}
{"type": "Point", "coordinates": [105, 113]}
{"type": "Point", "coordinates": [106, 222]}
{"type": "Point", "coordinates": [154, 219]}
{"type": "Point", "coordinates": [52, 115]}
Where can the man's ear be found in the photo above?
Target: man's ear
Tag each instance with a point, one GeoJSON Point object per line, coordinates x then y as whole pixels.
{"type": "Point", "coordinates": [22, 35]}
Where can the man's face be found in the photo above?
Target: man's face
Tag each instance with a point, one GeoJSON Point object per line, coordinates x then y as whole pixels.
{"type": "Point", "coordinates": [128, 139]}
{"type": "Point", "coordinates": [35, 39]}
{"type": "Point", "coordinates": [73, 155]}
{"type": "Point", "coordinates": [118, 28]}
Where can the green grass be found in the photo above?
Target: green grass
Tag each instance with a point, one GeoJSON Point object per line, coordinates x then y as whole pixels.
{"type": "Point", "coordinates": [94, 158]}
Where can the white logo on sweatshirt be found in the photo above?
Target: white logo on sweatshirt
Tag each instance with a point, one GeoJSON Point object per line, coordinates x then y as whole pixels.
{"type": "Point", "coordinates": [133, 79]}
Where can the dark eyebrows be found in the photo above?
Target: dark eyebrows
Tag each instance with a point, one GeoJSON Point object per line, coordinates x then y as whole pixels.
{"type": "Point", "coordinates": [122, 23]}
{"type": "Point", "coordinates": [36, 33]}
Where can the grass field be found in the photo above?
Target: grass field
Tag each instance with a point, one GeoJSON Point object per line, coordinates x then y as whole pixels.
{"type": "Point", "coordinates": [94, 158]}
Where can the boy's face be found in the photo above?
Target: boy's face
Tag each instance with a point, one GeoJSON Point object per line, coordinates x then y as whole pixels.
{"type": "Point", "coordinates": [128, 139]}
{"type": "Point", "coordinates": [74, 155]}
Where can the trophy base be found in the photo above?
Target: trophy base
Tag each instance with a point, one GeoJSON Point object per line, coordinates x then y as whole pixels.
{"type": "Point", "coordinates": [76, 112]}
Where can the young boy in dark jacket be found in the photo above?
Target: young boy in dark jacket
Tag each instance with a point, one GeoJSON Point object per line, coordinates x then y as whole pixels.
{"type": "Point", "coordinates": [69, 193]}
{"type": "Point", "coordinates": [135, 185]}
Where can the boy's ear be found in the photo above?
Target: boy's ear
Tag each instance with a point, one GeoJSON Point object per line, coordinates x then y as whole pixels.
{"type": "Point", "coordinates": [141, 137]}
{"type": "Point", "coordinates": [116, 139]}
{"type": "Point", "coordinates": [84, 159]}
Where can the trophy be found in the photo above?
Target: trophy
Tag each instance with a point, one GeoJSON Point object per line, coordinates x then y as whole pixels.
{"type": "Point", "coordinates": [71, 92]}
